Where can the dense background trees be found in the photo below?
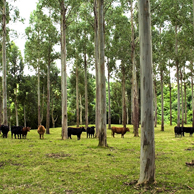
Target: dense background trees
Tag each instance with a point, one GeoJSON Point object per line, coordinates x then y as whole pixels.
{"type": "Point", "coordinates": [34, 99]}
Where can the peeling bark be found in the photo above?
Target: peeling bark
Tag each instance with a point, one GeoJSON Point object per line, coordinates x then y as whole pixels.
{"type": "Point", "coordinates": [147, 156]}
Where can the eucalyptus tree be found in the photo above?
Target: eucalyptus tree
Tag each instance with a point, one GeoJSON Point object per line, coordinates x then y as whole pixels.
{"type": "Point", "coordinates": [147, 156]}
{"type": "Point", "coordinates": [7, 13]}
{"type": "Point", "coordinates": [110, 52]}
{"type": "Point", "coordinates": [64, 13]}
{"type": "Point", "coordinates": [106, 6]}
{"type": "Point", "coordinates": [16, 70]}
{"type": "Point", "coordinates": [177, 16]}
{"type": "Point", "coordinates": [129, 6]}
{"type": "Point", "coordinates": [81, 88]}
{"type": "Point", "coordinates": [85, 48]}
{"type": "Point", "coordinates": [49, 55]}
{"type": "Point", "coordinates": [102, 85]}
{"type": "Point", "coordinates": [4, 81]}
{"type": "Point", "coordinates": [121, 42]}
{"type": "Point", "coordinates": [55, 85]}
{"type": "Point", "coordinates": [33, 48]}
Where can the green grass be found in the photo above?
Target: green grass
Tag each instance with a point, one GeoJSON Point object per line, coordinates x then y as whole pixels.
{"type": "Point", "coordinates": [69, 166]}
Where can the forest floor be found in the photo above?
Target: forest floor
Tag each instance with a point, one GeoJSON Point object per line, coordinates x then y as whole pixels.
{"type": "Point", "coordinates": [52, 165]}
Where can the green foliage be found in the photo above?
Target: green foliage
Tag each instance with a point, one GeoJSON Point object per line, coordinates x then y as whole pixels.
{"type": "Point", "coordinates": [174, 105]}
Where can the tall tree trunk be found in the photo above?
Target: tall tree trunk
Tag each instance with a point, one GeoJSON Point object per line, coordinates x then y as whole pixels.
{"type": "Point", "coordinates": [77, 97]}
{"type": "Point", "coordinates": [132, 105]}
{"type": "Point", "coordinates": [39, 106]}
{"type": "Point", "coordinates": [86, 92]}
{"type": "Point", "coordinates": [102, 88]}
{"type": "Point", "coordinates": [170, 88]}
{"type": "Point", "coordinates": [185, 100]}
{"type": "Point", "coordinates": [1, 116]}
{"type": "Point", "coordinates": [192, 75]}
{"type": "Point", "coordinates": [192, 96]}
{"type": "Point", "coordinates": [52, 115]}
{"type": "Point", "coordinates": [162, 100]}
{"type": "Point", "coordinates": [97, 115]}
{"type": "Point", "coordinates": [177, 71]}
{"type": "Point", "coordinates": [63, 71]}
{"type": "Point", "coordinates": [42, 106]}
{"type": "Point", "coordinates": [80, 109]}
{"type": "Point", "coordinates": [48, 99]}
{"type": "Point", "coordinates": [4, 79]}
{"type": "Point", "coordinates": [135, 95]}
{"type": "Point", "coordinates": [24, 114]}
{"type": "Point", "coordinates": [147, 157]}
{"type": "Point", "coordinates": [182, 98]}
{"type": "Point", "coordinates": [124, 114]}
{"type": "Point", "coordinates": [109, 110]}
{"type": "Point", "coordinates": [16, 108]}
{"type": "Point", "coordinates": [155, 116]}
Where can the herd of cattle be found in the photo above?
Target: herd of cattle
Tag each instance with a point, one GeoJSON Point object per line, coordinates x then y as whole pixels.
{"type": "Point", "coordinates": [19, 131]}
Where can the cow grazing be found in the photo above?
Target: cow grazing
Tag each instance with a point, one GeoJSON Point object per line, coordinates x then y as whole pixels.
{"type": "Point", "coordinates": [119, 130]}
{"type": "Point", "coordinates": [188, 130]}
{"type": "Point", "coordinates": [75, 131]}
{"type": "Point", "coordinates": [4, 129]}
{"type": "Point", "coordinates": [41, 130]}
{"type": "Point", "coordinates": [181, 130]}
{"type": "Point", "coordinates": [90, 131]}
{"type": "Point", "coordinates": [16, 130]}
{"type": "Point", "coordinates": [25, 130]}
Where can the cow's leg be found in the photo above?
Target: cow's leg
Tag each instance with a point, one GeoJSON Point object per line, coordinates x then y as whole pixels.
{"type": "Point", "coordinates": [113, 134]}
{"type": "Point", "coordinates": [40, 136]}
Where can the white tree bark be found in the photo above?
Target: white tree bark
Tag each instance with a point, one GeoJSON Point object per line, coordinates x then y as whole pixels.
{"type": "Point", "coordinates": [38, 90]}
{"type": "Point", "coordinates": [77, 96]}
{"type": "Point", "coordinates": [80, 109]}
{"type": "Point", "coordinates": [97, 119]}
{"type": "Point", "coordinates": [147, 157]}
{"type": "Point", "coordinates": [102, 88]}
{"type": "Point", "coordinates": [63, 72]}
{"type": "Point", "coordinates": [4, 79]}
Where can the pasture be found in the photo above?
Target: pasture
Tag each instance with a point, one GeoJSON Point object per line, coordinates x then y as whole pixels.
{"type": "Point", "coordinates": [52, 165]}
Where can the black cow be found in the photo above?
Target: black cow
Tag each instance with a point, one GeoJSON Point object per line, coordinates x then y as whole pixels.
{"type": "Point", "coordinates": [5, 130]}
{"type": "Point", "coordinates": [75, 131]}
{"type": "Point", "coordinates": [90, 131]}
{"type": "Point", "coordinates": [178, 131]}
{"type": "Point", "coordinates": [188, 130]}
{"type": "Point", "coordinates": [16, 130]}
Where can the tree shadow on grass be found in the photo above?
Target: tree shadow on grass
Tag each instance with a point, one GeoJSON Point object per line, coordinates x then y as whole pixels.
{"type": "Point", "coordinates": [158, 187]}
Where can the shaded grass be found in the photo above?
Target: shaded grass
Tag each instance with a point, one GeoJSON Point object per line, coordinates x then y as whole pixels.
{"type": "Point", "coordinates": [53, 165]}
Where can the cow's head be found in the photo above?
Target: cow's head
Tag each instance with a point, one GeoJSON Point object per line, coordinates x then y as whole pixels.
{"type": "Point", "coordinates": [127, 129]}
{"type": "Point", "coordinates": [28, 129]}
{"type": "Point", "coordinates": [82, 129]}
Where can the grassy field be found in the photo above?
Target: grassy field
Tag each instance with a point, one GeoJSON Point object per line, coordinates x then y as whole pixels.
{"type": "Point", "coordinates": [69, 166]}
